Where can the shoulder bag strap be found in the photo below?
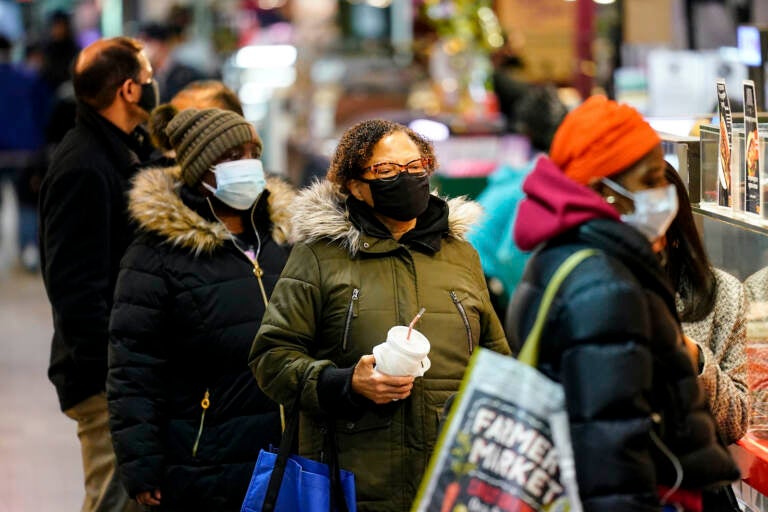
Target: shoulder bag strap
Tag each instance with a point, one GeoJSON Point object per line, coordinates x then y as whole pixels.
{"type": "Point", "coordinates": [288, 446]}
{"type": "Point", "coordinates": [529, 354]}
{"type": "Point", "coordinates": [338, 501]}
{"type": "Point", "coordinates": [287, 443]}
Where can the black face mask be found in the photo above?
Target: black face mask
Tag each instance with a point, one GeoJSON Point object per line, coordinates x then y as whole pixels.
{"type": "Point", "coordinates": [404, 198]}
{"type": "Point", "coordinates": [150, 96]}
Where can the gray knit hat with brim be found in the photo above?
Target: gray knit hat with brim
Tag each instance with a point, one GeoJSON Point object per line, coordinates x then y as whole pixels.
{"type": "Point", "coordinates": [201, 137]}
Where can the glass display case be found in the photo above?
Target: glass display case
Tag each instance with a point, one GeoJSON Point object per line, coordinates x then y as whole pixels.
{"type": "Point", "coordinates": [749, 184]}
{"type": "Point", "coordinates": [736, 240]}
{"type": "Point", "coordinates": [682, 151]}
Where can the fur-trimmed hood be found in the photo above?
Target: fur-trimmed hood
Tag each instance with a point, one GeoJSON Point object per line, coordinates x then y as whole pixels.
{"type": "Point", "coordinates": [320, 212]}
{"type": "Point", "coordinates": [154, 202]}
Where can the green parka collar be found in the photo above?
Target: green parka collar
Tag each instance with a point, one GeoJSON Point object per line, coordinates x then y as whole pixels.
{"type": "Point", "coordinates": [321, 212]}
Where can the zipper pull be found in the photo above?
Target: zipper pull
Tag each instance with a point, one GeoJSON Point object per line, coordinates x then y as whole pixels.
{"type": "Point", "coordinates": [259, 272]}
{"type": "Point", "coordinates": [205, 403]}
{"type": "Point", "coordinates": [465, 319]}
{"type": "Point", "coordinates": [348, 321]}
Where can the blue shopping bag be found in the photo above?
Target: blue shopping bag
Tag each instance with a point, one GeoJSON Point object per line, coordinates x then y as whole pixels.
{"type": "Point", "coordinates": [306, 485]}
{"type": "Point", "coordinates": [285, 482]}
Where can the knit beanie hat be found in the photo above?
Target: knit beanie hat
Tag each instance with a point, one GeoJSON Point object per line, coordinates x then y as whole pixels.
{"type": "Point", "coordinates": [200, 137]}
{"type": "Point", "coordinates": [601, 138]}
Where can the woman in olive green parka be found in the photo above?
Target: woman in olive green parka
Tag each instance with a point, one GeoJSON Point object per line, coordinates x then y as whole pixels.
{"type": "Point", "coordinates": [374, 246]}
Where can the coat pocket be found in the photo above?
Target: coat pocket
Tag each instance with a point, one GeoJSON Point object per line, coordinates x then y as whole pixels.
{"type": "Point", "coordinates": [367, 422]}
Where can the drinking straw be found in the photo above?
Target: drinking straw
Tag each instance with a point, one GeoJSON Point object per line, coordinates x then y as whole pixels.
{"type": "Point", "coordinates": [415, 319]}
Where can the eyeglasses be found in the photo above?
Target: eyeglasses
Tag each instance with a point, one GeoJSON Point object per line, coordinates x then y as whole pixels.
{"type": "Point", "coordinates": [388, 171]}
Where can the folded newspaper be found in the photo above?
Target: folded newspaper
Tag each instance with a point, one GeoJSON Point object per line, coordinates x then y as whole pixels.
{"type": "Point", "coordinates": [506, 444]}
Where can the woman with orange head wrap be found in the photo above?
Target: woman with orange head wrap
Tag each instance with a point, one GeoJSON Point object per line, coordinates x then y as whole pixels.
{"type": "Point", "coordinates": [640, 430]}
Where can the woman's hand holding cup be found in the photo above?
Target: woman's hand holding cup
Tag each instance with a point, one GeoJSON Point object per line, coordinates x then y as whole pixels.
{"type": "Point", "coordinates": [403, 353]}
{"type": "Point", "coordinates": [376, 386]}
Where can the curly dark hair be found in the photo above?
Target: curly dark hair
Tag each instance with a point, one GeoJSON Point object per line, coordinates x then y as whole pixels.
{"type": "Point", "coordinates": [356, 146]}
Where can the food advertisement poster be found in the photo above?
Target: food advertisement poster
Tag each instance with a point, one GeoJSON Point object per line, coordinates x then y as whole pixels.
{"type": "Point", "coordinates": [751, 149]}
{"type": "Point", "coordinates": [726, 143]}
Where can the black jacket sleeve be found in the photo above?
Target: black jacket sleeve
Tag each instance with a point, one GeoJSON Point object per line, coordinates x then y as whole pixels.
{"type": "Point", "coordinates": [77, 214]}
{"type": "Point", "coordinates": [137, 359]}
{"type": "Point", "coordinates": [334, 391]}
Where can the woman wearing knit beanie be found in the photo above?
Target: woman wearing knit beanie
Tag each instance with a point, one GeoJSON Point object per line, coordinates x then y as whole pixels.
{"type": "Point", "coordinates": [186, 415]}
{"type": "Point", "coordinates": [641, 432]}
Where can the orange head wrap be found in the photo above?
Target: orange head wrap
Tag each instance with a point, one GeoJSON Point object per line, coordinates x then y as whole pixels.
{"type": "Point", "coordinates": [601, 138]}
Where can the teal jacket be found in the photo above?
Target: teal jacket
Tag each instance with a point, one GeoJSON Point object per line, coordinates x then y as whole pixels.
{"type": "Point", "coordinates": [492, 236]}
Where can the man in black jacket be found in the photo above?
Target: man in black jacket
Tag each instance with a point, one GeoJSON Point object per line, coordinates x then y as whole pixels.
{"type": "Point", "coordinates": [84, 230]}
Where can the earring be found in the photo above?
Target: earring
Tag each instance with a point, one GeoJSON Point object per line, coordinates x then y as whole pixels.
{"type": "Point", "coordinates": [610, 200]}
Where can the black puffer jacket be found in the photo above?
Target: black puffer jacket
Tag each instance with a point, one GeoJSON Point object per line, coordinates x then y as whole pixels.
{"type": "Point", "coordinates": [84, 231]}
{"type": "Point", "coordinates": [187, 307]}
{"type": "Point", "coordinates": [613, 340]}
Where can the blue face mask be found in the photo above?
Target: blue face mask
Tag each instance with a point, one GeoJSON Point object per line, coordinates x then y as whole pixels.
{"type": "Point", "coordinates": [238, 183]}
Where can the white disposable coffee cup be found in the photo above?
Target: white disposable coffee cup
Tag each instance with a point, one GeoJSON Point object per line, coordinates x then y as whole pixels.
{"type": "Point", "coordinates": [400, 356]}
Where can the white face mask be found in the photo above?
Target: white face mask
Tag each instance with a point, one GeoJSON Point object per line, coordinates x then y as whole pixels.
{"type": "Point", "coordinates": [655, 209]}
{"type": "Point", "coordinates": [238, 183]}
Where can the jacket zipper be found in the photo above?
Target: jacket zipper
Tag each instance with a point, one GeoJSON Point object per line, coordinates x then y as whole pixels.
{"type": "Point", "coordinates": [348, 322]}
{"type": "Point", "coordinates": [257, 270]}
{"type": "Point", "coordinates": [465, 319]}
{"type": "Point", "coordinates": [205, 404]}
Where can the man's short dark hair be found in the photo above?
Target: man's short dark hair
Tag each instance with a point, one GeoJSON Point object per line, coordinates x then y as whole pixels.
{"type": "Point", "coordinates": [97, 83]}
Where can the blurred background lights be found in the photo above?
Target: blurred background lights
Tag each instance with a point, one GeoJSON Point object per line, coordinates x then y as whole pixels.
{"type": "Point", "coordinates": [271, 4]}
{"type": "Point", "coordinates": [432, 130]}
{"type": "Point", "coordinates": [266, 56]}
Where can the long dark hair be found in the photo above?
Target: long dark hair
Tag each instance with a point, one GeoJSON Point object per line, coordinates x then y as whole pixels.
{"type": "Point", "coordinates": [688, 267]}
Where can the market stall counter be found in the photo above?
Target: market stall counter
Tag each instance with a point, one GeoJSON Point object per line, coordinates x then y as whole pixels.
{"type": "Point", "coordinates": [729, 205]}
{"type": "Point", "coordinates": [751, 454]}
